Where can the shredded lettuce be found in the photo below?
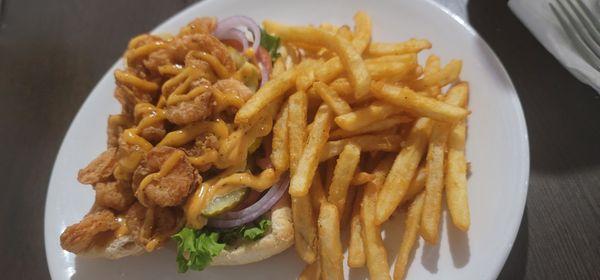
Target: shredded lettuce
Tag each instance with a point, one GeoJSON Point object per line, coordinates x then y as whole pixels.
{"type": "Point", "coordinates": [197, 248]}
{"type": "Point", "coordinates": [270, 43]}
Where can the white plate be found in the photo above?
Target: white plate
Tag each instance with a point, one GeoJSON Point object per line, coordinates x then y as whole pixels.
{"type": "Point", "coordinates": [497, 149]}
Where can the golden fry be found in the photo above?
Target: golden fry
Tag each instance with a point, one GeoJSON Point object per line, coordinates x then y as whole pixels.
{"type": "Point", "coordinates": [278, 67]}
{"type": "Point", "coordinates": [417, 185]}
{"type": "Point", "coordinates": [398, 180]}
{"type": "Point", "coordinates": [356, 249]}
{"type": "Point", "coordinates": [447, 75]}
{"type": "Point", "coordinates": [456, 178]}
{"type": "Point", "coordinates": [317, 194]}
{"type": "Point", "coordinates": [365, 116]}
{"type": "Point", "coordinates": [300, 182]}
{"type": "Point", "coordinates": [280, 155]}
{"type": "Point", "coordinates": [410, 46]}
{"type": "Point", "coordinates": [411, 230]}
{"type": "Point", "coordinates": [343, 88]}
{"type": "Point", "coordinates": [456, 170]}
{"type": "Point", "coordinates": [346, 164]}
{"type": "Point", "coordinates": [332, 99]}
{"type": "Point", "coordinates": [362, 31]}
{"type": "Point", "coordinates": [432, 65]}
{"type": "Point", "coordinates": [373, 127]}
{"type": "Point", "coordinates": [311, 271]}
{"type": "Point", "coordinates": [345, 32]}
{"type": "Point", "coordinates": [406, 58]}
{"type": "Point", "coordinates": [305, 229]}
{"type": "Point", "coordinates": [367, 143]}
{"type": "Point", "coordinates": [434, 185]}
{"type": "Point", "coordinates": [307, 75]}
{"type": "Point", "coordinates": [298, 106]}
{"type": "Point", "coordinates": [330, 70]}
{"type": "Point", "coordinates": [375, 252]}
{"type": "Point", "coordinates": [349, 57]}
{"type": "Point", "coordinates": [409, 100]}
{"type": "Point", "coordinates": [266, 95]}
{"type": "Point", "coordinates": [330, 245]}
{"type": "Point", "coordinates": [390, 70]}
{"type": "Point", "coordinates": [361, 178]}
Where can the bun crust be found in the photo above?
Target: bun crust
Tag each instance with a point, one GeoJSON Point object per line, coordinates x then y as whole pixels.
{"type": "Point", "coordinates": [280, 237]}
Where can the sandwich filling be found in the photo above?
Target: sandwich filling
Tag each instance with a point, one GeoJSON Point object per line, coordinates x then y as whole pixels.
{"type": "Point", "coordinates": [177, 166]}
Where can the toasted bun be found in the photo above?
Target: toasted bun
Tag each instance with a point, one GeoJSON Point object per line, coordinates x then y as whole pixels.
{"type": "Point", "coordinates": [280, 237]}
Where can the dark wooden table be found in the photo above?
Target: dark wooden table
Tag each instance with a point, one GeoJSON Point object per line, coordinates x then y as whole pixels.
{"type": "Point", "coordinates": [53, 52]}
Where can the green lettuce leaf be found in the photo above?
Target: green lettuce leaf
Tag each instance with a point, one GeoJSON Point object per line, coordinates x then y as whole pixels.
{"type": "Point", "coordinates": [195, 249]}
{"type": "Point", "coordinates": [249, 232]}
{"type": "Point", "coordinates": [270, 43]}
{"type": "Point", "coordinates": [257, 232]}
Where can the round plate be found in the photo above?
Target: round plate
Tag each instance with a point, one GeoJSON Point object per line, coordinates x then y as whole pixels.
{"type": "Point", "coordinates": [497, 149]}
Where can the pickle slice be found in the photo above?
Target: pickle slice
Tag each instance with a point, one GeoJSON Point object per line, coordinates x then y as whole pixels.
{"type": "Point", "coordinates": [225, 203]}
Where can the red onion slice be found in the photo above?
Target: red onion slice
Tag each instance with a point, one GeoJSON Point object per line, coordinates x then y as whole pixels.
{"type": "Point", "coordinates": [251, 213]}
{"type": "Point", "coordinates": [233, 22]}
{"type": "Point", "coordinates": [264, 61]}
{"type": "Point", "coordinates": [237, 35]}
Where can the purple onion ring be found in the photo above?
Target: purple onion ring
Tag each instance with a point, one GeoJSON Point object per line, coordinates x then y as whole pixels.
{"type": "Point", "coordinates": [252, 212]}
{"type": "Point", "coordinates": [225, 25]}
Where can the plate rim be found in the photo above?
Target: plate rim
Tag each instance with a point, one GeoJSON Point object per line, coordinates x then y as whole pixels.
{"type": "Point", "coordinates": [523, 140]}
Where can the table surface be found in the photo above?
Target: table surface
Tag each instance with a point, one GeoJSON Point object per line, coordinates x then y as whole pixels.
{"type": "Point", "coordinates": [53, 52]}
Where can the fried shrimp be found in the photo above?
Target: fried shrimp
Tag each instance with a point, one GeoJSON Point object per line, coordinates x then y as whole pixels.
{"type": "Point", "coordinates": [78, 237]}
{"type": "Point", "coordinates": [169, 190]}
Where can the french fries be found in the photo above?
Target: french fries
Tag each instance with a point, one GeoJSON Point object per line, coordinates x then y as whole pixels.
{"type": "Point", "coordinates": [267, 94]}
{"type": "Point", "coordinates": [409, 237]}
{"type": "Point", "coordinates": [349, 57]}
{"type": "Point", "coordinates": [391, 70]}
{"type": "Point", "coordinates": [362, 31]}
{"type": "Point", "coordinates": [343, 88]}
{"type": "Point", "coordinates": [356, 249]}
{"type": "Point", "coordinates": [280, 155]}
{"type": "Point", "coordinates": [375, 252]}
{"type": "Point", "coordinates": [406, 58]}
{"type": "Point", "coordinates": [305, 229]}
{"type": "Point", "coordinates": [432, 65]}
{"type": "Point", "coordinates": [311, 271]}
{"type": "Point", "coordinates": [447, 75]}
{"type": "Point", "coordinates": [298, 106]}
{"type": "Point", "coordinates": [361, 178]}
{"type": "Point", "coordinates": [456, 170]}
{"type": "Point", "coordinates": [417, 185]}
{"type": "Point", "coordinates": [398, 180]}
{"type": "Point", "coordinates": [346, 164]}
{"type": "Point", "coordinates": [365, 116]}
{"type": "Point", "coordinates": [377, 126]}
{"type": "Point", "coordinates": [409, 100]}
{"type": "Point", "coordinates": [332, 99]}
{"type": "Point", "coordinates": [345, 32]}
{"type": "Point", "coordinates": [367, 143]}
{"type": "Point", "coordinates": [301, 180]}
{"type": "Point", "coordinates": [369, 97]}
{"type": "Point", "coordinates": [456, 178]}
{"type": "Point", "coordinates": [434, 185]}
{"type": "Point", "coordinates": [330, 245]}
{"type": "Point", "coordinates": [410, 46]}
{"type": "Point", "coordinates": [317, 194]}
{"type": "Point", "coordinates": [330, 70]}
